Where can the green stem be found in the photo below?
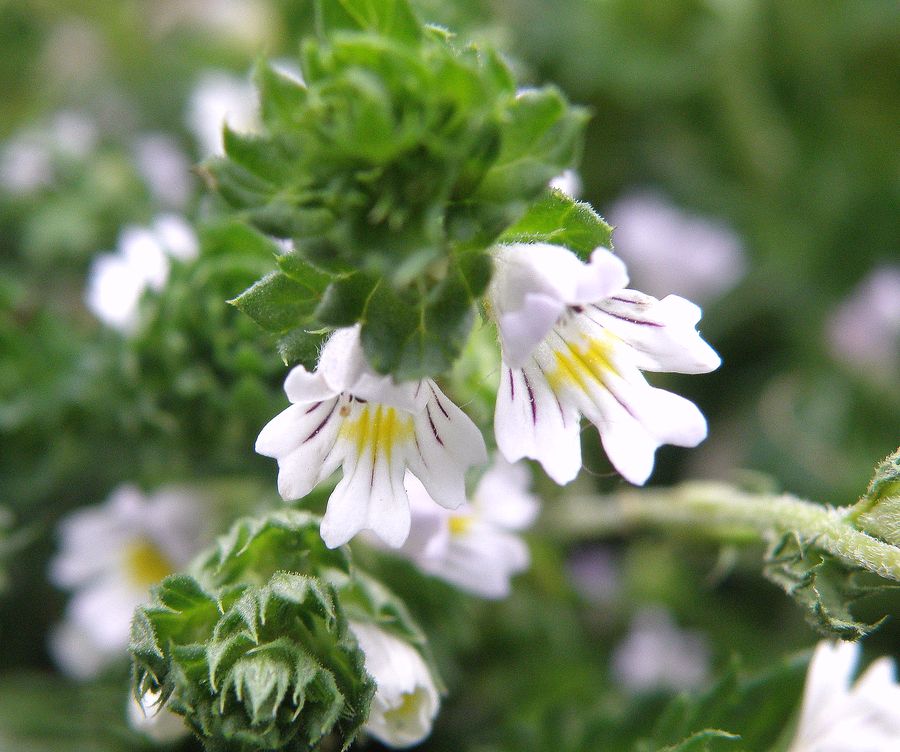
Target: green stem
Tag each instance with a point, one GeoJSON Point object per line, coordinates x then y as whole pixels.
{"type": "Point", "coordinates": [726, 514]}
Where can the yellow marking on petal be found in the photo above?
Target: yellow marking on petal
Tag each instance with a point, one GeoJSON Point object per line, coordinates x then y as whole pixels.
{"type": "Point", "coordinates": [377, 428]}
{"type": "Point", "coordinates": [460, 524]}
{"type": "Point", "coordinates": [145, 564]}
{"type": "Point", "coordinates": [408, 710]}
{"type": "Point", "coordinates": [579, 364]}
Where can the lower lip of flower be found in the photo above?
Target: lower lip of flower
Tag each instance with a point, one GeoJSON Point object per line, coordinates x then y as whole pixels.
{"type": "Point", "coordinates": [145, 564]}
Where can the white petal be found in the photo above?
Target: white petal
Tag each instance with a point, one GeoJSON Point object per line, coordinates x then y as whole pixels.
{"type": "Point", "coordinates": [523, 329]}
{"type": "Point", "coordinates": [481, 561]}
{"type": "Point", "coordinates": [662, 333]}
{"type": "Point", "coordinates": [827, 682]}
{"type": "Point", "coordinates": [348, 505]}
{"type": "Point", "coordinates": [532, 280]}
{"type": "Point", "coordinates": [303, 387]}
{"type": "Point", "coordinates": [301, 438]}
{"type": "Point", "coordinates": [343, 366]}
{"type": "Point", "coordinates": [158, 723]}
{"type": "Point", "coordinates": [502, 496]}
{"type": "Point", "coordinates": [448, 443]}
{"type": "Point", "coordinates": [406, 699]}
{"type": "Point", "coordinates": [529, 421]}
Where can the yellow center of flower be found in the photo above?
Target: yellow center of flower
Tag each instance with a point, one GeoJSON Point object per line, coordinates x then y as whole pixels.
{"type": "Point", "coordinates": [460, 524]}
{"type": "Point", "coordinates": [581, 363]}
{"type": "Point", "coordinates": [407, 711]}
{"type": "Point", "coordinates": [145, 564]}
{"type": "Point", "coordinates": [378, 428]}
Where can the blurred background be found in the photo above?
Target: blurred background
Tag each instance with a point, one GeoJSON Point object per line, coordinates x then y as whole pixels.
{"type": "Point", "coordinates": [746, 151]}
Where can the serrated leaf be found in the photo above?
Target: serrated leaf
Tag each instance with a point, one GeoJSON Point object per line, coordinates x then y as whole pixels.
{"type": "Point", "coordinates": [281, 97]}
{"type": "Point", "coordinates": [280, 303]}
{"type": "Point", "coordinates": [561, 220]}
{"type": "Point", "coordinates": [301, 347]}
{"type": "Point", "coordinates": [255, 548]}
{"type": "Point", "coordinates": [392, 18]}
{"type": "Point", "coordinates": [701, 741]}
{"type": "Point", "coordinates": [344, 301]}
{"type": "Point", "coordinates": [878, 511]}
{"type": "Point", "coordinates": [413, 336]}
{"type": "Point", "coordinates": [822, 585]}
{"type": "Point", "coordinates": [540, 138]}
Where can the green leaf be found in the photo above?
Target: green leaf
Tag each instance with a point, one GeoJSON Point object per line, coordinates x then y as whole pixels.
{"type": "Point", "coordinates": [701, 741]}
{"type": "Point", "coordinates": [540, 138]}
{"type": "Point", "coordinates": [414, 335]}
{"type": "Point", "coordinates": [254, 549]}
{"type": "Point", "coordinates": [392, 18]}
{"type": "Point", "coordinates": [280, 303]}
{"type": "Point", "coordinates": [345, 299]}
{"type": "Point", "coordinates": [754, 707]}
{"type": "Point", "coordinates": [561, 220]}
{"type": "Point", "coordinates": [301, 347]}
{"type": "Point", "coordinates": [822, 585]}
{"type": "Point", "coordinates": [878, 511]}
{"type": "Point", "coordinates": [281, 97]}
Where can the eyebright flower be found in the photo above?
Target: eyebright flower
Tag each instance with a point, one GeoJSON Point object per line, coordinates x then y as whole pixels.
{"type": "Point", "coordinates": [406, 699]}
{"type": "Point", "coordinates": [118, 280]}
{"type": "Point", "coordinates": [474, 547]}
{"type": "Point", "coordinates": [109, 556]}
{"type": "Point", "coordinates": [574, 343]}
{"type": "Point", "coordinates": [838, 717]}
{"type": "Point", "coordinates": [345, 415]}
{"type": "Point", "coordinates": [669, 250]}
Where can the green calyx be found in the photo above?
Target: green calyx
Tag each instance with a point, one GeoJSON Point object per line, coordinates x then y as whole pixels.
{"type": "Point", "coordinates": [253, 646]}
{"type": "Point", "coordinates": [393, 167]}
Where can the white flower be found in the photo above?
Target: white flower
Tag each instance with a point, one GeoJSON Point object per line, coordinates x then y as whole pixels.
{"type": "Point", "coordinates": [670, 251]}
{"type": "Point", "coordinates": [656, 655]}
{"type": "Point", "coordinates": [217, 99]}
{"type": "Point", "coordinates": [838, 717]}
{"type": "Point", "coordinates": [118, 280]}
{"type": "Point", "coordinates": [864, 330]}
{"type": "Point", "coordinates": [406, 699]}
{"type": "Point", "coordinates": [165, 169]}
{"type": "Point", "coordinates": [474, 547]}
{"type": "Point", "coordinates": [154, 721]}
{"type": "Point", "coordinates": [345, 415]}
{"type": "Point", "coordinates": [569, 182]}
{"type": "Point", "coordinates": [109, 557]}
{"type": "Point", "coordinates": [574, 343]}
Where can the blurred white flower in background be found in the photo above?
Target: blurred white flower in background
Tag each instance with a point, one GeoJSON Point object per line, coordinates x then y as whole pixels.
{"type": "Point", "coordinates": [219, 98]}
{"type": "Point", "coordinates": [669, 251]}
{"type": "Point", "coordinates": [406, 699]}
{"type": "Point", "coordinates": [29, 159]}
{"type": "Point", "coordinates": [248, 23]}
{"type": "Point", "coordinates": [141, 261]}
{"type": "Point", "coordinates": [839, 717]}
{"type": "Point", "coordinates": [165, 169]}
{"type": "Point", "coordinates": [569, 182]}
{"type": "Point", "coordinates": [864, 330]}
{"type": "Point", "coordinates": [109, 556]}
{"type": "Point", "coordinates": [474, 547]}
{"type": "Point", "coordinates": [657, 655]}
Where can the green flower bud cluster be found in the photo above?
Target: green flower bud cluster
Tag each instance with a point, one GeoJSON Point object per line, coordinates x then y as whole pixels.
{"type": "Point", "coordinates": [393, 166]}
{"type": "Point", "coordinates": [253, 645]}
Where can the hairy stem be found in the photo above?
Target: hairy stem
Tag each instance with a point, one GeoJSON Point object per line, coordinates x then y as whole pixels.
{"type": "Point", "coordinates": [723, 513]}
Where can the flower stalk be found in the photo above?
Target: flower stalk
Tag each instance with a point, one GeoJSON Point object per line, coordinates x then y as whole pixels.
{"type": "Point", "coordinates": [725, 514]}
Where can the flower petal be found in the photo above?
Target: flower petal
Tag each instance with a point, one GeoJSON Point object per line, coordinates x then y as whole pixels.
{"type": "Point", "coordinates": [530, 421]}
{"type": "Point", "coordinates": [502, 496]}
{"type": "Point", "coordinates": [661, 333]}
{"type": "Point", "coordinates": [447, 444]}
{"type": "Point", "coordinates": [301, 438]}
{"type": "Point", "coordinates": [534, 281]}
